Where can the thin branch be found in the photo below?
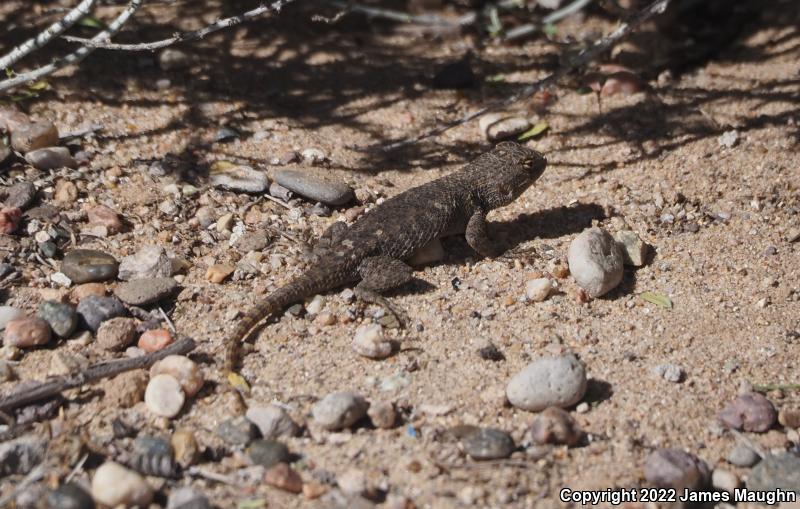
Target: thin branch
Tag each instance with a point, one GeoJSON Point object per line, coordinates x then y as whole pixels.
{"type": "Point", "coordinates": [582, 58]}
{"type": "Point", "coordinates": [77, 55]}
{"type": "Point", "coordinates": [390, 14]}
{"type": "Point", "coordinates": [46, 35]}
{"type": "Point", "coordinates": [220, 24]}
{"type": "Point", "coordinates": [55, 385]}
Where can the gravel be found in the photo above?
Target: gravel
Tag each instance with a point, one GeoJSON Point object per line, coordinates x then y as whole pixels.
{"type": "Point", "coordinates": [148, 262]}
{"type": "Point", "coordinates": [237, 431]}
{"type": "Point", "coordinates": [20, 195]}
{"type": "Point", "coordinates": [69, 496]}
{"type": "Point", "coordinates": [183, 369]}
{"type": "Point", "coordinates": [116, 334]}
{"type": "Point", "coordinates": [743, 456]}
{"type": "Point", "coordinates": [550, 381]}
{"type": "Point", "coordinates": [187, 498]}
{"type": "Point", "coordinates": [268, 452]}
{"type": "Point", "coordinates": [51, 158]}
{"type": "Point", "coordinates": [62, 318]}
{"type": "Point", "coordinates": [555, 426]}
{"type": "Point", "coordinates": [369, 342]}
{"type": "Point", "coordinates": [780, 471]}
{"type": "Point", "coordinates": [27, 332]}
{"type": "Point", "coordinates": [382, 414]}
{"type": "Point", "coordinates": [272, 421]}
{"type": "Point", "coordinates": [634, 249]}
{"type": "Point", "coordinates": [669, 372]}
{"type": "Point", "coordinates": [595, 261]}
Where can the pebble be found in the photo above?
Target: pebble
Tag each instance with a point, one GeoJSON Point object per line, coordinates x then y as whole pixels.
{"type": "Point", "coordinates": [634, 249]}
{"type": "Point", "coordinates": [743, 456]}
{"type": "Point", "coordinates": [95, 310]}
{"type": "Point", "coordinates": [278, 191]}
{"type": "Point", "coordinates": [488, 444]}
{"type": "Point", "coordinates": [595, 261]}
{"type": "Point", "coordinates": [51, 158]}
{"type": "Point", "coordinates": [669, 372]}
{"type": "Point", "coordinates": [62, 318]}
{"type": "Point", "coordinates": [724, 480]}
{"type": "Point", "coordinates": [148, 262]}
{"type": "Point", "coordinates": [550, 381]}
{"type": "Point", "coordinates": [27, 332]}
{"type": "Point", "coordinates": [9, 220]}
{"type": "Point", "coordinates": [187, 450]}
{"type": "Point", "coordinates": [339, 410]}
{"type": "Point", "coordinates": [104, 216]}
{"type": "Point", "coordinates": [272, 421]}
{"type": "Point", "coordinates": [315, 187]}
{"type": "Point", "coordinates": [555, 426]}
{"type": "Point", "coordinates": [781, 471]}
{"type": "Point", "coordinates": [8, 313]}
{"type": "Point", "coordinates": [369, 342]}
{"type": "Point", "coordinates": [219, 272]}
{"type": "Point", "coordinates": [114, 485]}
{"type": "Point", "coordinates": [316, 305]}
{"type": "Point", "coordinates": [237, 431]}
{"type": "Point", "coordinates": [313, 156]}
{"type": "Point", "coordinates": [171, 59]}
{"type": "Point", "coordinates": [501, 126]}
{"type": "Point", "coordinates": [141, 292]}
{"type": "Point", "coordinates": [88, 265]}
{"type": "Point", "coordinates": [729, 139]}
{"type": "Point", "coordinates": [154, 340]}
{"type": "Point", "coordinates": [253, 241]}
{"type": "Point", "coordinates": [20, 195]}
{"type": "Point", "coordinates": [29, 136]}
{"type": "Point", "coordinates": [225, 133]}
{"type": "Point", "coordinates": [84, 290]}
{"type": "Point", "coordinates": [164, 396]}
{"type": "Point", "coordinates": [283, 477]}
{"type": "Point", "coordinates": [353, 482]}
{"type": "Point", "coordinates": [65, 193]}
{"type": "Point", "coordinates": [187, 498]}
{"type": "Point", "coordinates": [116, 334]}
{"type": "Point", "coordinates": [126, 390]}
{"type": "Point", "coordinates": [382, 414]}
{"type": "Point", "coordinates": [789, 417]}
{"type": "Point", "coordinates": [674, 468]}
{"type": "Point", "coordinates": [749, 412]}
{"type": "Point", "coordinates": [183, 369]}
{"type": "Point", "coordinates": [242, 179]}
{"type": "Point", "coordinates": [69, 496]}
{"type": "Point", "coordinates": [268, 453]}
{"type": "Point", "coordinates": [20, 455]}
{"type": "Point", "coordinates": [538, 290]}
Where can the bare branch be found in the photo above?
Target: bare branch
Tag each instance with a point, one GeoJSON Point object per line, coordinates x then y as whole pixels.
{"type": "Point", "coordinates": [46, 35]}
{"type": "Point", "coordinates": [582, 58]}
{"type": "Point", "coordinates": [220, 24]}
{"type": "Point", "coordinates": [77, 55]}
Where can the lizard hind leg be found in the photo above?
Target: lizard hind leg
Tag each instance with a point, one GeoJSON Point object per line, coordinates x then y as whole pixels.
{"type": "Point", "coordinates": [380, 274]}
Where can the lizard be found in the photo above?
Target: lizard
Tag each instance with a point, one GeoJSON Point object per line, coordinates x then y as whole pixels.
{"type": "Point", "coordinates": [372, 251]}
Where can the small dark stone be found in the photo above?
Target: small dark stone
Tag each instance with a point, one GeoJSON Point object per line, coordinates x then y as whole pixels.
{"type": "Point", "coordinates": [122, 429]}
{"type": "Point", "coordinates": [48, 249]}
{"type": "Point", "coordinates": [238, 431]}
{"type": "Point", "coordinates": [45, 213]}
{"type": "Point", "coordinates": [154, 456]}
{"type": "Point", "coordinates": [62, 318]}
{"type": "Point", "coordinates": [455, 75]}
{"type": "Point", "coordinates": [750, 412]}
{"type": "Point", "coordinates": [268, 453]}
{"type": "Point", "coordinates": [20, 195]}
{"type": "Point", "coordinates": [491, 353]}
{"type": "Point", "coordinates": [776, 472]}
{"type": "Point", "coordinates": [69, 496]}
{"type": "Point", "coordinates": [94, 310]}
{"type": "Point", "coordinates": [489, 444]}
{"type": "Point", "coordinates": [88, 265]}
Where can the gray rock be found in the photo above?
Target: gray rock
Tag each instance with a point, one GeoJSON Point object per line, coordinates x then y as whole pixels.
{"type": "Point", "coordinates": [749, 412]}
{"type": "Point", "coordinates": [63, 318]}
{"type": "Point", "coordinates": [278, 191]}
{"type": "Point", "coordinates": [9, 313]}
{"type": "Point", "coordinates": [21, 195]}
{"type": "Point", "coordinates": [743, 456]}
{"type": "Point", "coordinates": [489, 444]}
{"type": "Point", "coordinates": [674, 468]}
{"type": "Point", "coordinates": [237, 431]}
{"type": "Point", "coordinates": [89, 265]}
{"type": "Point", "coordinates": [147, 262]}
{"type": "Point", "coordinates": [669, 372]}
{"type": "Point", "coordinates": [273, 421]}
{"type": "Point", "coordinates": [268, 453]}
{"type": "Point", "coordinates": [19, 456]}
{"type": "Point", "coordinates": [634, 249]}
{"type": "Point", "coordinates": [776, 472]}
{"type": "Point", "coordinates": [187, 498]}
{"type": "Point", "coordinates": [94, 310]}
{"type": "Point", "coordinates": [729, 139]}
{"type": "Point", "coordinates": [69, 496]}
{"type": "Point", "coordinates": [550, 381]}
{"type": "Point", "coordinates": [141, 292]}
{"type": "Point", "coordinates": [243, 179]}
{"type": "Point", "coordinates": [51, 158]}
{"type": "Point", "coordinates": [339, 410]}
{"type": "Point", "coordinates": [595, 261]}
{"type": "Point", "coordinates": [315, 187]}
{"type": "Point", "coordinates": [253, 241]}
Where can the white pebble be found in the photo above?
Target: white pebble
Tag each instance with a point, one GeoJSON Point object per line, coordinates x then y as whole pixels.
{"type": "Point", "coordinates": [369, 342]}
{"type": "Point", "coordinates": [272, 421]}
{"type": "Point", "coordinates": [538, 290]}
{"type": "Point", "coordinates": [115, 485]}
{"type": "Point", "coordinates": [164, 396]}
{"type": "Point", "coordinates": [316, 305]}
{"type": "Point", "coordinates": [595, 261]}
{"type": "Point", "coordinates": [550, 381]}
{"type": "Point", "coordinates": [183, 369]}
{"type": "Point", "coordinates": [724, 480]}
{"type": "Point", "coordinates": [339, 410]}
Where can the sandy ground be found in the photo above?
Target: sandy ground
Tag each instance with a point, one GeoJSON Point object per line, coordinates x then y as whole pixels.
{"type": "Point", "coordinates": [627, 159]}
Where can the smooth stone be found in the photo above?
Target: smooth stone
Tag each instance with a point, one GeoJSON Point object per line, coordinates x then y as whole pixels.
{"type": "Point", "coordinates": [88, 266]}
{"type": "Point", "coordinates": [268, 453]}
{"type": "Point", "coordinates": [339, 410]}
{"type": "Point", "coordinates": [116, 334]}
{"type": "Point", "coordinates": [555, 426]}
{"type": "Point", "coordinates": [272, 421]}
{"type": "Point", "coordinates": [187, 498]}
{"type": "Point", "coordinates": [29, 136]}
{"type": "Point", "coordinates": [27, 332]}
{"type": "Point", "coordinates": [148, 262]}
{"type": "Point", "coordinates": [789, 417]}
{"type": "Point", "coordinates": [243, 179]}
{"type": "Point", "coordinates": [724, 480]}
{"type": "Point", "coordinates": [369, 342]}
{"type": "Point", "coordinates": [537, 290]}
{"type": "Point", "coordinates": [253, 241]}
{"type": "Point", "coordinates": [50, 158]}
{"type": "Point", "coordinates": [62, 318]}
{"type": "Point", "coordinates": [164, 396]}
{"type": "Point", "coordinates": [776, 472]}
{"type": "Point", "coordinates": [634, 249]}
{"type": "Point", "coordinates": [382, 414]}
{"type": "Point", "coordinates": [315, 187]}
{"type": "Point", "coordinates": [743, 456]}
{"type": "Point", "coordinates": [20, 195]}
{"type": "Point", "coordinates": [155, 339]}
{"type": "Point", "coordinates": [550, 381]}
{"type": "Point", "coordinates": [9, 313]}
{"type": "Point", "coordinates": [749, 412]}
{"type": "Point", "coordinates": [674, 468]}
{"type": "Point", "coordinates": [183, 369]}
{"type": "Point", "coordinates": [95, 310]}
{"type": "Point", "coordinates": [19, 456]}
{"type": "Point", "coordinates": [489, 444]}
{"type": "Point", "coordinates": [187, 450]}
{"type": "Point", "coordinates": [237, 431]}
{"type": "Point", "coordinates": [284, 477]}
{"type": "Point", "coordinates": [501, 127]}
{"type": "Point", "coordinates": [114, 485]}
{"type": "Point", "coordinates": [595, 261]}
{"type": "Point", "coordinates": [141, 292]}
{"type": "Point", "coordinates": [69, 496]}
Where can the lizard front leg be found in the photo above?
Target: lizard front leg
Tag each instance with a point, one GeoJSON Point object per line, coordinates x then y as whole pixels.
{"type": "Point", "coordinates": [380, 274]}
{"type": "Point", "coordinates": [478, 236]}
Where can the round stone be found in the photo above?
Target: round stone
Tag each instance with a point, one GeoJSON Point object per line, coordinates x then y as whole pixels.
{"type": "Point", "coordinates": [243, 179]}
{"type": "Point", "coordinates": [164, 396]}
{"type": "Point", "coordinates": [69, 496]}
{"type": "Point", "coordinates": [674, 468]}
{"type": "Point", "coordinates": [555, 426]}
{"type": "Point", "coordinates": [272, 421]}
{"type": "Point", "coordinates": [595, 261]}
{"type": "Point", "coordinates": [27, 332]}
{"type": "Point", "coordinates": [154, 340]}
{"type": "Point", "coordinates": [750, 412]}
{"type": "Point", "coordinates": [550, 381]}
{"type": "Point", "coordinates": [315, 187]}
{"type": "Point", "coordinates": [20, 195]}
{"type": "Point", "coordinates": [183, 369]}
{"type": "Point", "coordinates": [538, 290]}
{"type": "Point", "coordinates": [51, 158]}
{"type": "Point", "coordinates": [94, 310]}
{"type": "Point", "coordinates": [141, 292]}
{"type": "Point", "coordinates": [88, 265]}
{"type": "Point", "coordinates": [339, 410]}
{"type": "Point", "coordinates": [62, 318]}
{"type": "Point", "coordinates": [283, 477]}
{"type": "Point", "coordinates": [488, 444]}
{"type": "Point", "coordinates": [382, 414]}
{"type": "Point", "coordinates": [237, 431]}
{"type": "Point", "coordinates": [115, 485]}
{"type": "Point", "coordinates": [369, 342]}
{"type": "Point", "coordinates": [117, 334]}
{"type": "Point", "coordinates": [743, 456]}
{"type": "Point", "coordinates": [268, 453]}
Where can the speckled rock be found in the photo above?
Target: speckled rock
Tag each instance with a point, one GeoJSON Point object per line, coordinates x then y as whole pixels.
{"type": "Point", "coordinates": [114, 485]}
{"type": "Point", "coordinates": [634, 249]}
{"type": "Point", "coordinates": [20, 455]}
{"type": "Point", "coordinates": [187, 450]}
{"type": "Point", "coordinates": [315, 187]}
{"type": "Point", "coordinates": [339, 410]}
{"type": "Point", "coordinates": [781, 471]}
{"type": "Point", "coordinates": [369, 342]}
{"type": "Point", "coordinates": [237, 431]}
{"type": "Point", "coordinates": [555, 426]}
{"type": "Point", "coordinates": [89, 265]}
{"type": "Point", "coordinates": [272, 421]}
{"type": "Point", "coordinates": [268, 453]}
{"type": "Point", "coordinates": [595, 261]}
{"type": "Point", "coordinates": [674, 468]}
{"type": "Point", "coordinates": [94, 310]}
{"type": "Point", "coordinates": [27, 332]}
{"type": "Point", "coordinates": [164, 396]}
{"type": "Point", "coordinates": [51, 158]}
{"type": "Point", "coordinates": [743, 456]}
{"type": "Point", "coordinates": [154, 339]}
{"type": "Point", "coordinates": [148, 262]}
{"type": "Point", "coordinates": [749, 412]}
{"type": "Point", "coordinates": [537, 290]}
{"type": "Point", "coordinates": [20, 195]}
{"type": "Point", "coordinates": [550, 381]}
{"type": "Point", "coordinates": [117, 334]}
{"type": "Point", "coordinates": [382, 414]}
{"type": "Point", "coordinates": [488, 444]}
{"type": "Point", "coordinates": [62, 318]}
{"type": "Point", "coordinates": [187, 498]}
{"type": "Point", "coordinates": [141, 292]}
{"type": "Point", "coordinates": [183, 369]}
{"type": "Point", "coordinates": [243, 179]}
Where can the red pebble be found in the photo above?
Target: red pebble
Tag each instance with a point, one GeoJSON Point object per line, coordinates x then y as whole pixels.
{"type": "Point", "coordinates": [9, 219]}
{"type": "Point", "coordinates": [154, 340]}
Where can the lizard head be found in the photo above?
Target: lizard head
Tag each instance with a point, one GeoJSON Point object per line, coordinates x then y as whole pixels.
{"type": "Point", "coordinates": [506, 172]}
